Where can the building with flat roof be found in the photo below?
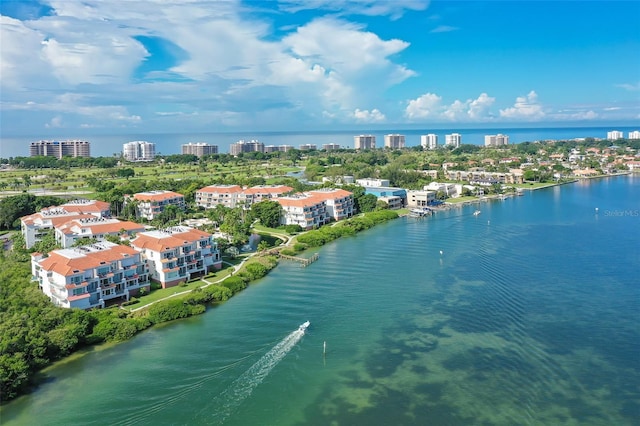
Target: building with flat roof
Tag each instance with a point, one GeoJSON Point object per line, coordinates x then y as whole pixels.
{"type": "Point", "coordinates": [245, 146]}
{"type": "Point", "coordinates": [139, 151]}
{"type": "Point", "coordinates": [429, 141]}
{"type": "Point", "coordinates": [89, 276]}
{"type": "Point", "coordinates": [199, 149]}
{"type": "Point", "coordinates": [330, 146]}
{"type": "Point", "coordinates": [634, 135]}
{"type": "Point", "coordinates": [496, 140]}
{"type": "Point", "coordinates": [615, 135]}
{"type": "Point", "coordinates": [454, 140]}
{"type": "Point", "coordinates": [394, 141]}
{"type": "Point", "coordinates": [59, 149]}
{"type": "Point", "coordinates": [308, 147]}
{"type": "Point", "coordinates": [364, 142]}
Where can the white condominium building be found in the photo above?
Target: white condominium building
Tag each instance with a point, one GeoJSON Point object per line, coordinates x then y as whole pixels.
{"type": "Point", "coordinates": [232, 196]}
{"type": "Point", "coordinates": [139, 151]}
{"type": "Point", "coordinates": [339, 203]}
{"type": "Point", "coordinates": [394, 141]}
{"type": "Point", "coordinates": [87, 277]}
{"type": "Point", "coordinates": [454, 140]}
{"type": "Point", "coordinates": [496, 140]}
{"type": "Point", "coordinates": [211, 196]}
{"type": "Point", "coordinates": [199, 149]}
{"type": "Point", "coordinates": [634, 135]}
{"type": "Point", "coordinates": [615, 135]}
{"type": "Point", "coordinates": [36, 225]}
{"type": "Point", "coordinates": [364, 142]}
{"type": "Point", "coordinates": [152, 203]}
{"type": "Point", "coordinates": [59, 149]}
{"type": "Point", "coordinates": [245, 146]}
{"type": "Point", "coordinates": [330, 146]}
{"type": "Point", "coordinates": [177, 254]}
{"type": "Point", "coordinates": [303, 209]}
{"type": "Point", "coordinates": [429, 141]}
{"type": "Point", "coordinates": [94, 227]}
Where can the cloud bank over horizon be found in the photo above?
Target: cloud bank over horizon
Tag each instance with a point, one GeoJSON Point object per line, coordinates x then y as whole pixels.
{"type": "Point", "coordinates": [291, 65]}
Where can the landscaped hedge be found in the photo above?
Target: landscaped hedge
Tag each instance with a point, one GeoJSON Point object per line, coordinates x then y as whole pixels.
{"type": "Point", "coordinates": [319, 237]}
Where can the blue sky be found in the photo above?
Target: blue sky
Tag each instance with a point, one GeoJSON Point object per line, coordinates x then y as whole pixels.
{"type": "Point", "coordinates": [70, 67]}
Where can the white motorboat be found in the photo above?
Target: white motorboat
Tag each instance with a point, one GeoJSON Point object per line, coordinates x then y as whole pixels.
{"type": "Point", "coordinates": [476, 213]}
{"type": "Point", "coordinates": [303, 327]}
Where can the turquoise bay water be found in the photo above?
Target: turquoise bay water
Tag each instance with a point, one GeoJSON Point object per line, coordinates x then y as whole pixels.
{"type": "Point", "coordinates": [531, 315]}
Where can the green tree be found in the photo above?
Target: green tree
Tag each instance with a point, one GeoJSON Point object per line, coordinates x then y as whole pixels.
{"type": "Point", "coordinates": [268, 212]}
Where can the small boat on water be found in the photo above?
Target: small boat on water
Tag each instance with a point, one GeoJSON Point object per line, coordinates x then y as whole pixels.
{"type": "Point", "coordinates": [303, 327]}
{"type": "Point", "coordinates": [476, 213]}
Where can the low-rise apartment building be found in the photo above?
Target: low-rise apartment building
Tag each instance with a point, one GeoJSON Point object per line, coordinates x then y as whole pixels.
{"type": "Point", "coordinates": [177, 254]}
{"type": "Point", "coordinates": [94, 227]}
{"type": "Point", "coordinates": [151, 204]}
{"type": "Point", "coordinates": [89, 276]}
{"type": "Point", "coordinates": [232, 196]}
{"type": "Point", "coordinates": [36, 225]}
{"type": "Point", "coordinates": [211, 196]}
{"type": "Point", "coordinates": [339, 203]}
{"type": "Point", "coordinates": [249, 196]}
{"type": "Point", "coordinates": [303, 209]}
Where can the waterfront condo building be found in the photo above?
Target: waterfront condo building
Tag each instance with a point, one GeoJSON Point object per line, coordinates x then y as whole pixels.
{"type": "Point", "coordinates": [89, 276]}
{"type": "Point", "coordinates": [303, 209]}
{"type": "Point", "coordinates": [496, 140]}
{"type": "Point", "coordinates": [364, 142]}
{"type": "Point", "coordinates": [59, 149]}
{"type": "Point", "coordinates": [429, 141]}
{"type": "Point", "coordinates": [394, 141]}
{"type": "Point", "coordinates": [615, 135]}
{"type": "Point", "coordinates": [36, 225]}
{"type": "Point", "coordinates": [177, 254]}
{"type": "Point", "coordinates": [634, 135]}
{"type": "Point", "coordinates": [199, 149]}
{"type": "Point", "coordinates": [139, 151]}
{"type": "Point", "coordinates": [243, 146]}
{"type": "Point", "coordinates": [454, 140]}
{"type": "Point", "coordinates": [151, 204]}
{"type": "Point", "coordinates": [94, 227]}
{"type": "Point", "coordinates": [308, 147]}
{"type": "Point", "coordinates": [339, 203]}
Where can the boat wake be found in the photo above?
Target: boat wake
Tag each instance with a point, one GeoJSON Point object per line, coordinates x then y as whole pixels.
{"type": "Point", "coordinates": [226, 403]}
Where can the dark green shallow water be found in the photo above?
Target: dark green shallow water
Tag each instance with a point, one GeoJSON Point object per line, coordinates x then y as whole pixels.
{"type": "Point", "coordinates": [531, 315]}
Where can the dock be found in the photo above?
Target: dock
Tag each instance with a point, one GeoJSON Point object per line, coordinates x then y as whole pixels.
{"type": "Point", "coordinates": [304, 261]}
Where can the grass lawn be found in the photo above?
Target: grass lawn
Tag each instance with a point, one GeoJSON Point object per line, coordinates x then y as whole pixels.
{"type": "Point", "coordinates": [462, 199]}
{"type": "Point", "coordinates": [534, 185]}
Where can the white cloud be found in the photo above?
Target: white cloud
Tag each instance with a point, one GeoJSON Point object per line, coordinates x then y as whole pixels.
{"type": "Point", "coordinates": [630, 87]}
{"type": "Point", "coordinates": [393, 8]}
{"type": "Point", "coordinates": [525, 108]}
{"type": "Point", "coordinates": [366, 116]}
{"type": "Point", "coordinates": [444, 29]}
{"type": "Point", "coordinates": [429, 106]}
{"type": "Point", "coordinates": [426, 106]}
{"type": "Point", "coordinates": [56, 122]}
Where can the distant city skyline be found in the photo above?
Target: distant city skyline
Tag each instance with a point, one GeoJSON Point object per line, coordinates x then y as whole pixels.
{"type": "Point", "coordinates": [95, 67]}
